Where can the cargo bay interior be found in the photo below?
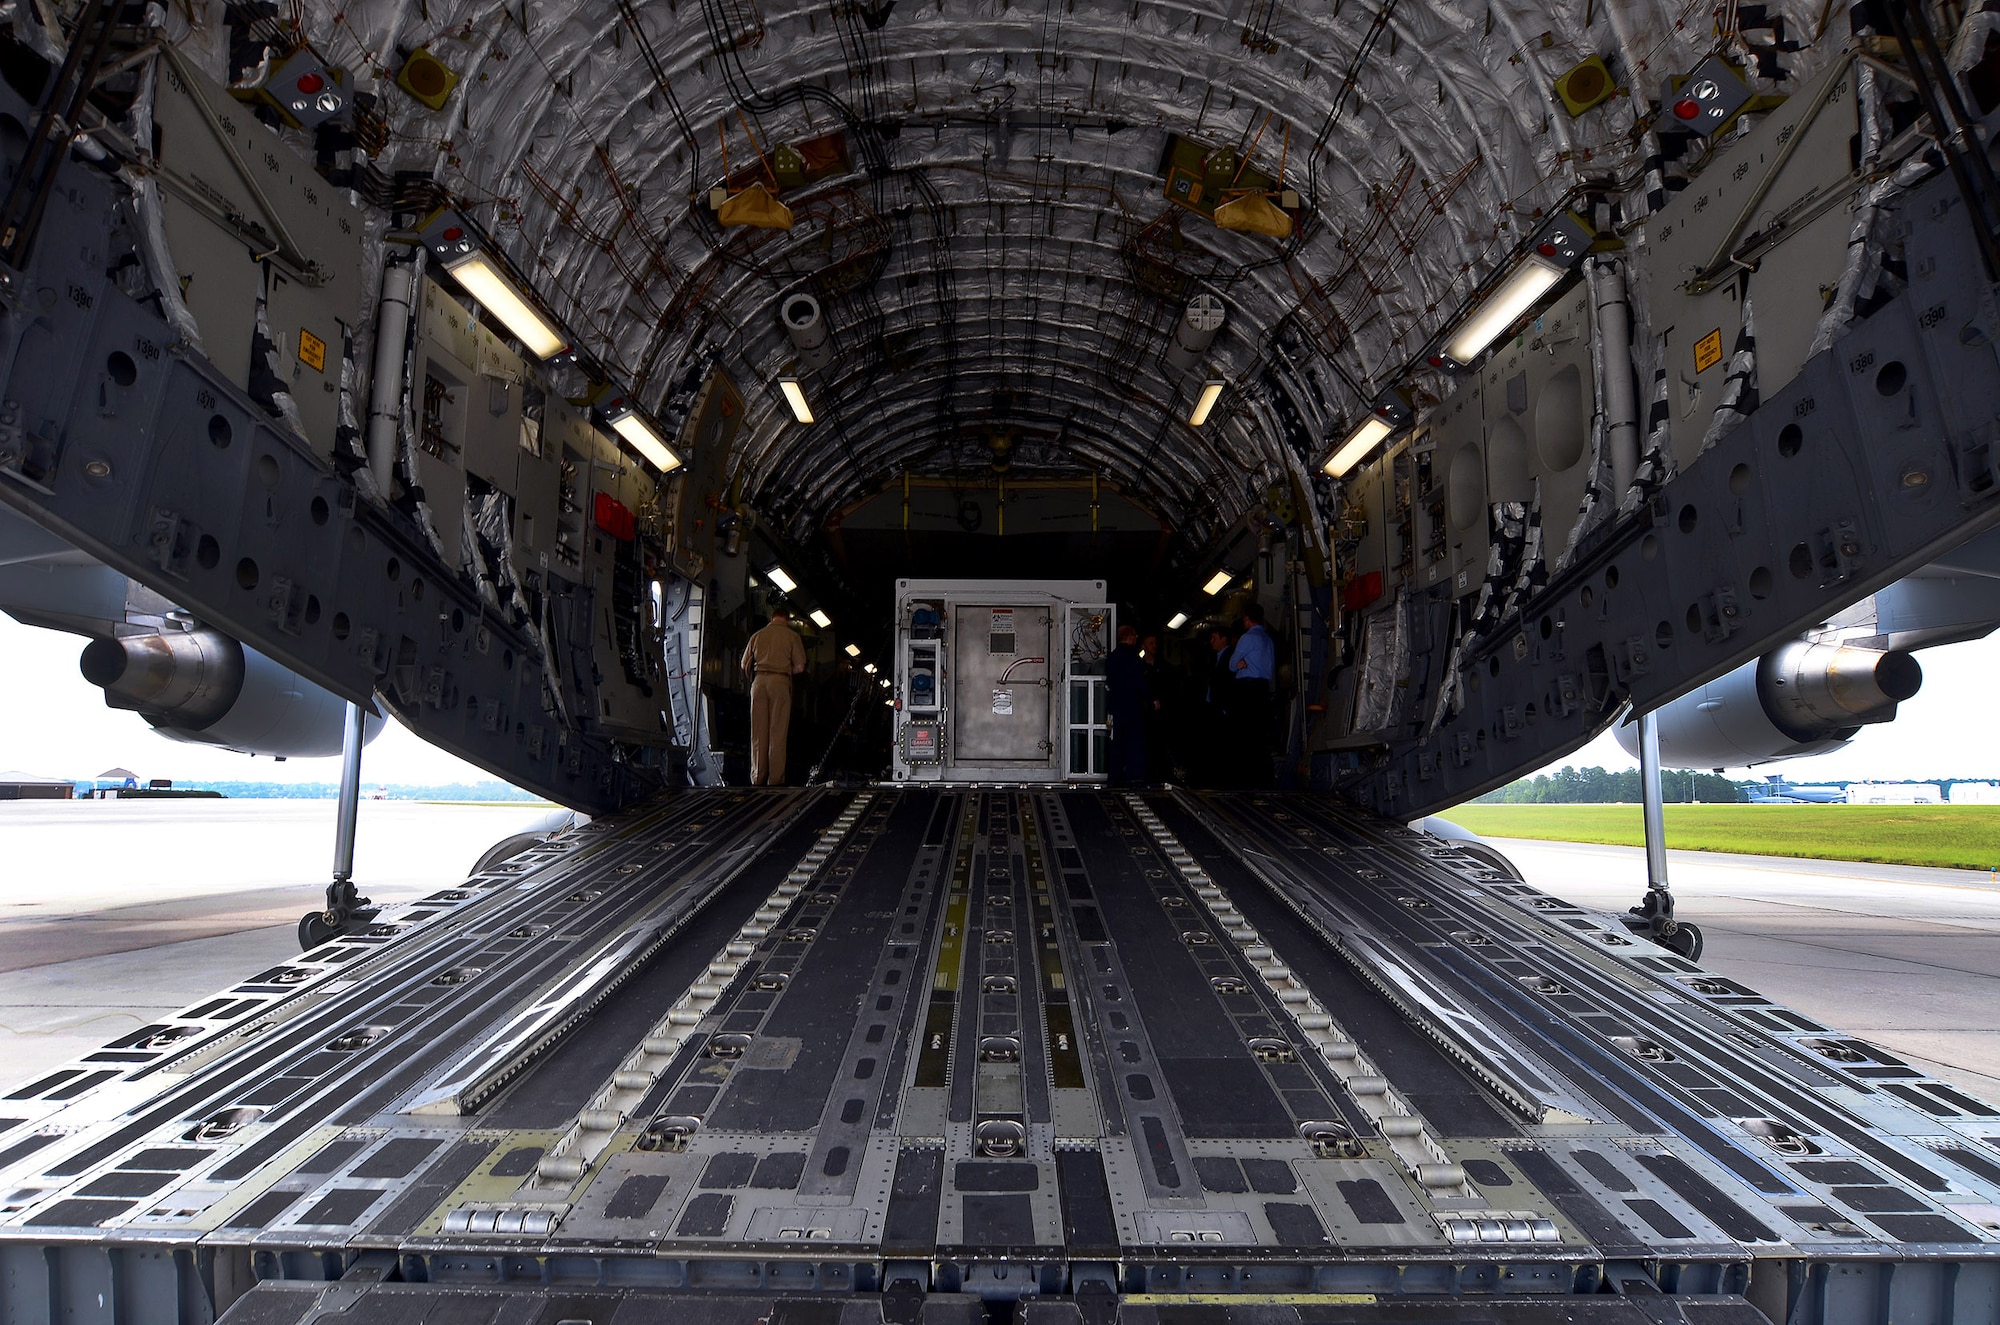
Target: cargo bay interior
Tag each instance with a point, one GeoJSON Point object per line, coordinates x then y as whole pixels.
{"type": "Point", "coordinates": [499, 366]}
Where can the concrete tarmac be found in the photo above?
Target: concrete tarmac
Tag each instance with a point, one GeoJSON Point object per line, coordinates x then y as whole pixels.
{"type": "Point", "coordinates": [1904, 957]}
{"type": "Point", "coordinates": [113, 913]}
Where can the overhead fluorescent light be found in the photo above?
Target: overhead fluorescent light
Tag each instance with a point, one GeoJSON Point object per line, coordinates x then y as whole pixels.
{"type": "Point", "coordinates": [777, 576]}
{"type": "Point", "coordinates": [795, 396]}
{"type": "Point", "coordinates": [641, 436]}
{"type": "Point", "coordinates": [468, 254]}
{"type": "Point", "coordinates": [820, 618]}
{"type": "Point", "coordinates": [1522, 289]}
{"type": "Point", "coordinates": [868, 668]}
{"type": "Point", "coordinates": [484, 281]}
{"type": "Point", "coordinates": [854, 650]}
{"type": "Point", "coordinates": [1211, 391]}
{"type": "Point", "coordinates": [1176, 621]}
{"type": "Point", "coordinates": [1218, 582]}
{"type": "Point", "coordinates": [1359, 443]}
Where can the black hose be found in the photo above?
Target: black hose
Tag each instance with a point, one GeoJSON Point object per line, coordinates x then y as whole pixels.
{"type": "Point", "coordinates": [861, 690]}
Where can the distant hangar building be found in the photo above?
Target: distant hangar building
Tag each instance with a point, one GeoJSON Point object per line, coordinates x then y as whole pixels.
{"type": "Point", "coordinates": [1894, 793]}
{"type": "Point", "coordinates": [18, 786]}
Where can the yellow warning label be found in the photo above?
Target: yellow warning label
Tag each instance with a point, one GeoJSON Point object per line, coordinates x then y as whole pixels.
{"type": "Point", "coordinates": [1707, 351]}
{"type": "Point", "coordinates": [312, 351]}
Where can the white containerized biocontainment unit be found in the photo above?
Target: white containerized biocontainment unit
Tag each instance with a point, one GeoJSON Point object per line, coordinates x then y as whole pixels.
{"type": "Point", "coordinates": [1001, 680]}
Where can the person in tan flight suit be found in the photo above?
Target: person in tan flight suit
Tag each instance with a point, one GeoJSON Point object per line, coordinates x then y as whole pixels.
{"type": "Point", "coordinates": [771, 659]}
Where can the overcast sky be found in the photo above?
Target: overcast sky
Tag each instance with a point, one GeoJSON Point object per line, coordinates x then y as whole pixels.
{"type": "Point", "coordinates": [56, 725]}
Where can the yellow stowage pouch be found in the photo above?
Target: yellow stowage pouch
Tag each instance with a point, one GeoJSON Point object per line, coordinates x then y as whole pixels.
{"type": "Point", "coordinates": [755, 206]}
{"type": "Point", "coordinates": [1256, 214]}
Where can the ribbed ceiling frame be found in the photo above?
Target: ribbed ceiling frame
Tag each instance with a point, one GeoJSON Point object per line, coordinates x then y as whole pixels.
{"type": "Point", "coordinates": [985, 105]}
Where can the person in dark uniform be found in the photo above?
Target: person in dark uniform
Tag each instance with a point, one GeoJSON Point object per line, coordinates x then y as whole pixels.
{"type": "Point", "coordinates": [1131, 701]}
{"type": "Point", "coordinates": [1219, 763]}
{"type": "Point", "coordinates": [1159, 718]}
{"type": "Point", "coordinates": [1253, 698]}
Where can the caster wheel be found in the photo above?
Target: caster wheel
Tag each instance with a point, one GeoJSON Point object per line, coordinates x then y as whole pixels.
{"type": "Point", "coordinates": [315, 929]}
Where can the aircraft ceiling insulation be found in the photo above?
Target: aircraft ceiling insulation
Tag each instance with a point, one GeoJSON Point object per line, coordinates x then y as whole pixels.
{"type": "Point", "coordinates": [1004, 234]}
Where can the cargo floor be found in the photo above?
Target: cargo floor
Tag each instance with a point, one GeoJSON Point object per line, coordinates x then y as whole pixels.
{"type": "Point", "coordinates": [996, 1042]}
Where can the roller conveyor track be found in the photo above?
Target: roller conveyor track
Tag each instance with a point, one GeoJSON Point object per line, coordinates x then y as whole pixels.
{"type": "Point", "coordinates": [1115, 1052]}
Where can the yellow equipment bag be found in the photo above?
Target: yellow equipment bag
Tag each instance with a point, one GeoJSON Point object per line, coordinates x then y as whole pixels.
{"type": "Point", "coordinates": [755, 206]}
{"type": "Point", "coordinates": [1255, 214]}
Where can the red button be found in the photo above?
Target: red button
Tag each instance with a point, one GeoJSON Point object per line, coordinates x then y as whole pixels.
{"type": "Point", "coordinates": [452, 234]}
{"type": "Point", "coordinates": [1687, 108]}
{"type": "Point", "coordinates": [311, 83]}
{"type": "Point", "coordinates": [1546, 249]}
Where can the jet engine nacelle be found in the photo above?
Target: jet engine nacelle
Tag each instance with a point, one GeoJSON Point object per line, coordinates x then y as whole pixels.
{"type": "Point", "coordinates": [204, 687]}
{"type": "Point", "coordinates": [1804, 698]}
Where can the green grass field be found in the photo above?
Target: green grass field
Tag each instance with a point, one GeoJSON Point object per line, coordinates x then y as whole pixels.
{"type": "Point", "coordinates": [1958, 836]}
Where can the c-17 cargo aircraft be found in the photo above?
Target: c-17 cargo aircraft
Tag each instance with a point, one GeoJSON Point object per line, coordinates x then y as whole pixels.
{"type": "Point", "coordinates": [503, 367]}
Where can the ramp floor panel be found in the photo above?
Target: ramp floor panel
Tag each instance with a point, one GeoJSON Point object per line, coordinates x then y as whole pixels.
{"type": "Point", "coordinates": [1209, 1041]}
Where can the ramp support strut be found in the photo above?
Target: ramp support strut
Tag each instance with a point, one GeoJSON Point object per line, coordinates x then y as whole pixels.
{"type": "Point", "coordinates": [1656, 912]}
{"type": "Point", "coordinates": [345, 907]}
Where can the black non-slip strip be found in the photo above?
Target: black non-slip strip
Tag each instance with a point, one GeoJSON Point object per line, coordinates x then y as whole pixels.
{"type": "Point", "coordinates": [975, 1176]}
{"type": "Point", "coordinates": [1221, 1174]}
{"type": "Point", "coordinates": [1608, 1233]}
{"type": "Point", "coordinates": [1295, 1225]}
{"type": "Point", "coordinates": [262, 1211]}
{"type": "Point", "coordinates": [1923, 1228]}
{"type": "Point", "coordinates": [265, 1149]}
{"type": "Point", "coordinates": [991, 1222]}
{"type": "Point", "coordinates": [172, 1159]}
{"type": "Point", "coordinates": [341, 1206]}
{"type": "Point", "coordinates": [79, 1214]}
{"type": "Point", "coordinates": [398, 1159]}
{"type": "Point", "coordinates": [121, 1182]}
{"type": "Point", "coordinates": [705, 1216]}
{"type": "Point", "coordinates": [911, 1222]}
{"type": "Point", "coordinates": [1704, 1196]}
{"type": "Point", "coordinates": [1660, 1219]}
{"type": "Point", "coordinates": [421, 1199]}
{"type": "Point", "coordinates": [1972, 1161]}
{"type": "Point", "coordinates": [636, 1196]}
{"type": "Point", "coordinates": [1089, 1223]}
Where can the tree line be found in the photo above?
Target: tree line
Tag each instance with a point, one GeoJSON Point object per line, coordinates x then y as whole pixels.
{"type": "Point", "coordinates": [1598, 786]}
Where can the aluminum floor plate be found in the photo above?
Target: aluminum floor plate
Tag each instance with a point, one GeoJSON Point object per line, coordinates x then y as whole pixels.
{"type": "Point", "coordinates": [770, 1040]}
